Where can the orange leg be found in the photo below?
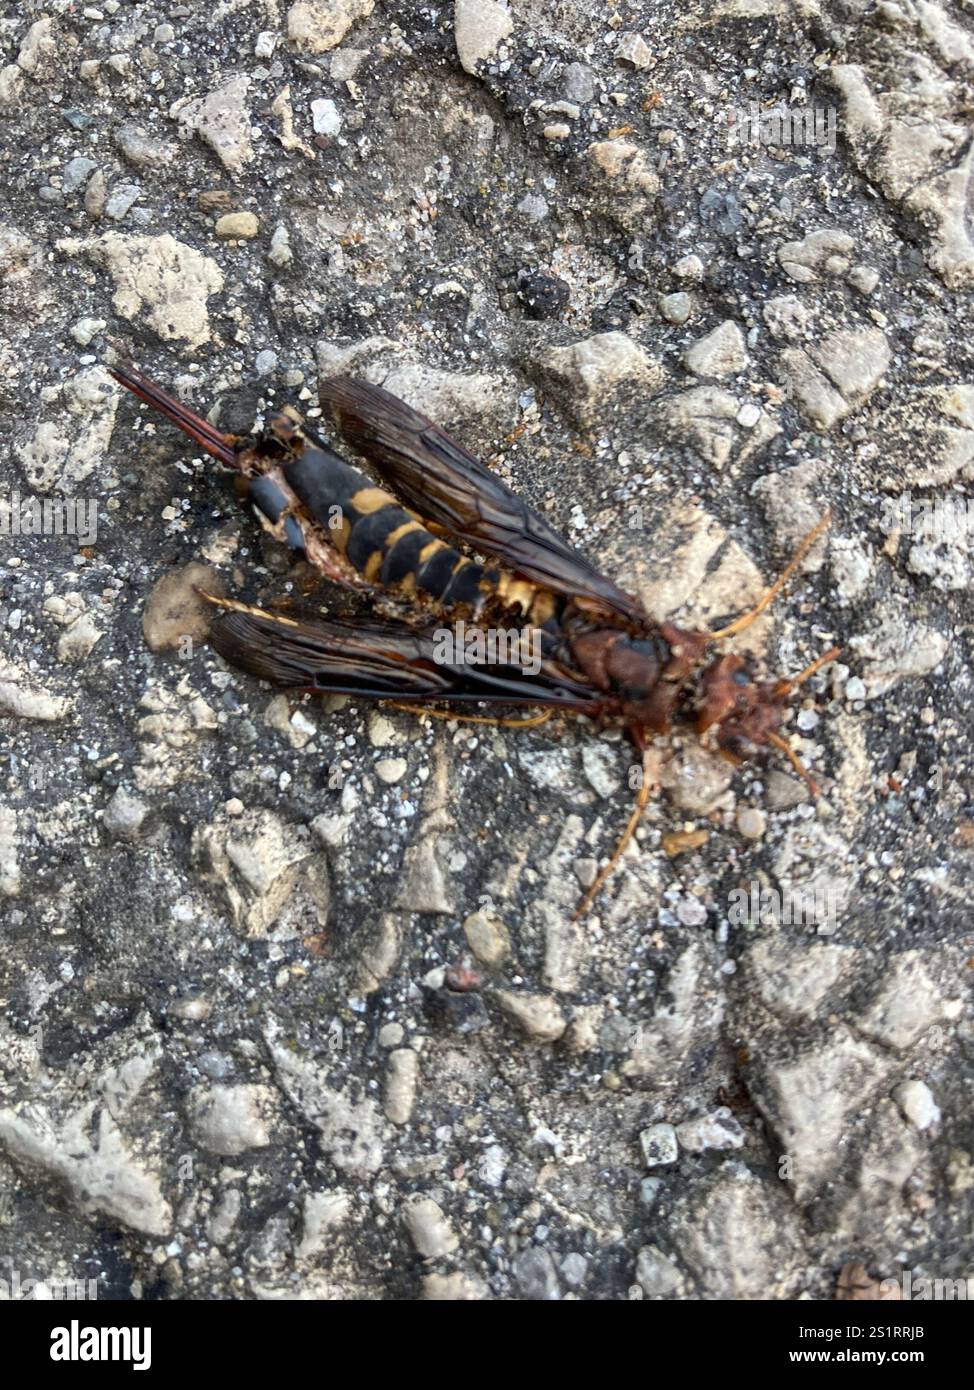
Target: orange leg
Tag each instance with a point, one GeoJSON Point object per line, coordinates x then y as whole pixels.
{"type": "Point", "coordinates": [769, 596]}
{"type": "Point", "coordinates": [784, 747]}
{"type": "Point", "coordinates": [642, 801]}
{"type": "Point", "coordinates": [530, 723]}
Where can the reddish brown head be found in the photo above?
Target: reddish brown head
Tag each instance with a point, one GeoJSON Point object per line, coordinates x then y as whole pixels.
{"type": "Point", "coordinates": [744, 712]}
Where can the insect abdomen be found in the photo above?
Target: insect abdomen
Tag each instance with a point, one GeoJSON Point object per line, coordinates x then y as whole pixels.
{"type": "Point", "coordinates": [378, 537]}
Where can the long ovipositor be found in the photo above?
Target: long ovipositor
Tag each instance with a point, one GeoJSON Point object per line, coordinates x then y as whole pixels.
{"type": "Point", "coordinates": [313, 500]}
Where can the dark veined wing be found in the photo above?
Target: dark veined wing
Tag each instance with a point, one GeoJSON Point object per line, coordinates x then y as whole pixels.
{"type": "Point", "coordinates": [445, 484]}
{"type": "Point", "coordinates": [376, 660]}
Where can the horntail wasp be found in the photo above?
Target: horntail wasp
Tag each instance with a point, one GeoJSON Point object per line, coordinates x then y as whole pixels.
{"type": "Point", "coordinates": [602, 654]}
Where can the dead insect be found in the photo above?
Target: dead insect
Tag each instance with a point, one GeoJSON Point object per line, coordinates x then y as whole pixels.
{"type": "Point", "coordinates": [599, 652]}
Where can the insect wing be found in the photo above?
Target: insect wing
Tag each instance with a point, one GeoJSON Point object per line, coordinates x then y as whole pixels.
{"type": "Point", "coordinates": [378, 660]}
{"type": "Point", "coordinates": [447, 485]}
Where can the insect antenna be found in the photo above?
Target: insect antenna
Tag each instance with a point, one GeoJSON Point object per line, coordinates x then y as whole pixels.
{"type": "Point", "coordinates": [784, 688]}
{"type": "Point", "coordinates": [769, 596]}
{"type": "Point", "coordinates": [793, 682]}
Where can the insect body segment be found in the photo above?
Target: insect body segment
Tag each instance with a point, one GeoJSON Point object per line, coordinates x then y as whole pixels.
{"type": "Point", "coordinates": [384, 542]}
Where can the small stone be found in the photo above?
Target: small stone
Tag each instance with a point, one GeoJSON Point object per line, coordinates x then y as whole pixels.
{"type": "Point", "coordinates": [587, 372]}
{"type": "Point", "coordinates": [96, 193]}
{"type": "Point", "coordinates": [323, 1211]}
{"type": "Point", "coordinates": [480, 27]}
{"type": "Point", "coordinates": [265, 362]}
{"type": "Point", "coordinates": [721, 353]}
{"type": "Point", "coordinates": [221, 119]}
{"type": "Point", "coordinates": [77, 172]}
{"type": "Point", "coordinates": [632, 51]}
{"type": "Point", "coordinates": [79, 638]}
{"type": "Point", "coordinates": [402, 1074]}
{"type": "Point", "coordinates": [916, 1101]}
{"type": "Point", "coordinates": [344, 64]}
{"type": "Point", "coordinates": [452, 1288]}
{"type": "Point", "coordinates": [9, 868]}
{"type": "Point", "coordinates": [124, 814]}
{"type": "Point", "coordinates": [907, 1004]}
{"type": "Point", "coordinates": [391, 770]}
{"type": "Point", "coordinates": [121, 200]}
{"type": "Point", "coordinates": [488, 938]}
{"type": "Point", "coordinates": [86, 329]}
{"type": "Point", "coordinates": [574, 1268]}
{"type": "Point", "coordinates": [325, 117]}
{"type": "Point", "coordinates": [163, 33]}
{"type": "Point", "coordinates": [558, 130]}
{"type": "Point", "coordinates": [382, 731]}
{"type": "Point", "coordinates": [689, 268]}
{"type": "Point", "coordinates": [229, 1120]}
{"type": "Point", "coordinates": [863, 278]}
{"type": "Point", "coordinates": [533, 207]}
{"type": "Point", "coordinates": [242, 226]}
{"type": "Point", "coordinates": [819, 250]}
{"type": "Point", "coordinates": [543, 296]}
{"type": "Point", "coordinates": [748, 415]}
{"type": "Point", "coordinates": [279, 252]}
{"type": "Point", "coordinates": [159, 278]}
{"type": "Point", "coordinates": [659, 1145]}
{"type": "Point", "coordinates": [538, 1015]}
{"type": "Point", "coordinates": [265, 44]}
{"type": "Point", "coordinates": [141, 149]}
{"type": "Point", "coordinates": [719, 1130]}
{"type": "Point", "coordinates": [315, 26]}
{"type": "Point", "coordinates": [428, 1228]}
{"type": "Point", "coordinates": [536, 1275]}
{"type": "Point", "coordinates": [391, 1034]}
{"type": "Point", "coordinates": [656, 1274]}
{"type": "Point", "coordinates": [213, 201]}
{"type": "Point", "coordinates": [578, 83]}
{"type": "Point", "coordinates": [675, 308]}
{"type": "Point", "coordinates": [751, 822]}
{"type": "Point", "coordinates": [11, 84]}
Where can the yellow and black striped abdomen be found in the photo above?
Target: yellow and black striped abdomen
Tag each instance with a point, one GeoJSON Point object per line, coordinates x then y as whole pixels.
{"type": "Point", "coordinates": [379, 538]}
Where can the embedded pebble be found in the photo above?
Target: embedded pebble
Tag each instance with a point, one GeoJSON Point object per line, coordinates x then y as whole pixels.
{"type": "Point", "coordinates": [538, 1015]}
{"type": "Point", "coordinates": [487, 937]}
{"type": "Point", "coordinates": [390, 770]}
{"type": "Point", "coordinates": [86, 329]}
{"type": "Point", "coordinates": [325, 117]}
{"type": "Point", "coordinates": [721, 353]}
{"type": "Point", "coordinates": [676, 307]}
{"type": "Point", "coordinates": [428, 1228]}
{"type": "Point", "coordinates": [315, 26]}
{"type": "Point", "coordinates": [279, 253]}
{"type": "Point", "coordinates": [719, 1130]}
{"type": "Point", "coordinates": [124, 815]}
{"type": "Point", "coordinates": [230, 1120]}
{"type": "Point", "coordinates": [480, 27]}
{"type": "Point", "coordinates": [402, 1076]}
{"type": "Point", "coordinates": [242, 225]}
{"type": "Point", "coordinates": [659, 1145]}
{"type": "Point", "coordinates": [121, 199]}
{"type": "Point", "coordinates": [751, 822]}
{"type": "Point", "coordinates": [916, 1101]}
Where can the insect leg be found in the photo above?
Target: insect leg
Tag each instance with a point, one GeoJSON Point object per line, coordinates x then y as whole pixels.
{"type": "Point", "coordinates": [530, 723]}
{"type": "Point", "coordinates": [642, 801]}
